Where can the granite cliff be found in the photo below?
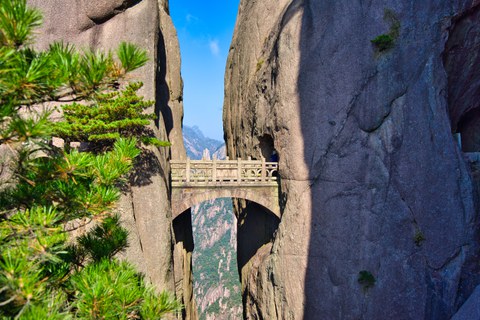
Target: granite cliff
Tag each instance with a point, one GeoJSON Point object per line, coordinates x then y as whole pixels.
{"type": "Point", "coordinates": [154, 246]}
{"type": "Point", "coordinates": [360, 100]}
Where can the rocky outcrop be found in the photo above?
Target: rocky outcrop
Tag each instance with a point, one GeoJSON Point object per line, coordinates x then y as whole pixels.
{"type": "Point", "coordinates": [379, 206]}
{"type": "Point", "coordinates": [145, 206]}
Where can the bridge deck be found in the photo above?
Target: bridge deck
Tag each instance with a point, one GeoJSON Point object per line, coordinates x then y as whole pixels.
{"type": "Point", "coordinates": [217, 173]}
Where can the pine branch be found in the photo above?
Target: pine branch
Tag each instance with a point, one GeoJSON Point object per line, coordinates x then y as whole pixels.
{"type": "Point", "coordinates": [41, 275]}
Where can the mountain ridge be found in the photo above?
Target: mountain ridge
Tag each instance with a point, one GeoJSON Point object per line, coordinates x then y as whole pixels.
{"type": "Point", "coordinates": [196, 142]}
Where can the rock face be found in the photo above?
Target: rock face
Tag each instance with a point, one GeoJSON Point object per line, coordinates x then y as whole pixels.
{"type": "Point", "coordinates": [145, 207]}
{"type": "Point", "coordinates": [372, 179]}
{"type": "Point", "coordinates": [461, 53]}
{"type": "Point", "coordinates": [470, 310]}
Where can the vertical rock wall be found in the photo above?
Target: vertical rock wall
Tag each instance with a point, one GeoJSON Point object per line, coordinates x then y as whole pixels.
{"type": "Point", "coordinates": [145, 207]}
{"type": "Point", "coordinates": [371, 177]}
{"type": "Point", "coordinates": [461, 58]}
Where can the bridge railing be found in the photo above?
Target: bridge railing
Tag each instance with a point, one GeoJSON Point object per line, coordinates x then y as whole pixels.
{"type": "Point", "coordinates": [201, 172]}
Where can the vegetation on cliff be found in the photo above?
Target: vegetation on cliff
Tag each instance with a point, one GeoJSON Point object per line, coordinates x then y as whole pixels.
{"type": "Point", "coordinates": [47, 191]}
{"type": "Point", "coordinates": [217, 286]}
{"type": "Point", "coordinates": [386, 41]}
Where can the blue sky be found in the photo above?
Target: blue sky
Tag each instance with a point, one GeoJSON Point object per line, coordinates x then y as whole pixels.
{"type": "Point", "coordinates": [205, 31]}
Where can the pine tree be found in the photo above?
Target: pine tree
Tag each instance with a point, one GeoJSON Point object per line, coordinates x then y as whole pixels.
{"type": "Point", "coordinates": [44, 274]}
{"type": "Point", "coordinates": [108, 117]}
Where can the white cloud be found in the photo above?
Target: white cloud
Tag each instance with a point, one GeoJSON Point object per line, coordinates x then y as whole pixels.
{"type": "Point", "coordinates": [214, 48]}
{"type": "Point", "coordinates": [191, 18]}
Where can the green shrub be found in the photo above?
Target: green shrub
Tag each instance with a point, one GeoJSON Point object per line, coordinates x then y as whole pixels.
{"type": "Point", "coordinates": [366, 279]}
{"type": "Point", "coordinates": [259, 64]}
{"type": "Point", "coordinates": [386, 41]}
{"type": "Point", "coordinates": [419, 238]}
{"type": "Point", "coordinates": [383, 42]}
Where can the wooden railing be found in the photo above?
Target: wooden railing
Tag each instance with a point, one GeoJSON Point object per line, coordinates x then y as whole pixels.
{"type": "Point", "coordinates": [223, 172]}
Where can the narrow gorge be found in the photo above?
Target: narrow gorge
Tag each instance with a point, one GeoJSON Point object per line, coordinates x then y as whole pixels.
{"type": "Point", "coordinates": [374, 110]}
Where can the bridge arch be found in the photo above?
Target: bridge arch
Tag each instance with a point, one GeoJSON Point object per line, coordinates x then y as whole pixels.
{"type": "Point", "coordinates": [186, 198]}
{"type": "Point", "coordinates": [257, 181]}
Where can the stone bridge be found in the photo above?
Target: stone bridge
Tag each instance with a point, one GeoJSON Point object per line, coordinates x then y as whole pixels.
{"type": "Point", "coordinates": [195, 181]}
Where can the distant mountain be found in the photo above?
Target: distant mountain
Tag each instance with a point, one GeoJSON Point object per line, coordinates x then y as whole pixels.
{"type": "Point", "coordinates": [195, 143]}
{"type": "Point", "coordinates": [221, 152]}
{"type": "Point", "coordinates": [216, 282]}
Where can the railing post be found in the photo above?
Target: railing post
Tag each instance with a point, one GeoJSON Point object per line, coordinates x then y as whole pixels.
{"type": "Point", "coordinates": [187, 170]}
{"type": "Point", "coordinates": [214, 170]}
{"type": "Point", "coordinates": [239, 170]}
{"type": "Point", "coordinates": [264, 170]}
